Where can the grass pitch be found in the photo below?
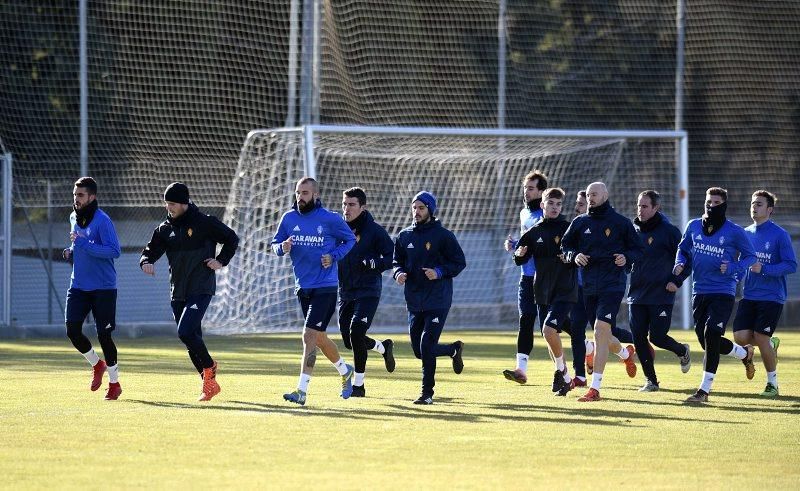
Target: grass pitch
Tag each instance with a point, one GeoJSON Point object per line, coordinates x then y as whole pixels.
{"type": "Point", "coordinates": [482, 432]}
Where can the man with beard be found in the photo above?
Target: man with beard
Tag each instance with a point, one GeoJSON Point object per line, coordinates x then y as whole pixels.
{"type": "Point", "coordinates": [360, 285]}
{"type": "Point", "coordinates": [532, 186]}
{"type": "Point", "coordinates": [716, 250]}
{"type": "Point", "coordinates": [316, 239]}
{"type": "Point", "coordinates": [93, 283]}
{"type": "Point", "coordinates": [651, 293]}
{"type": "Point", "coordinates": [189, 238]}
{"type": "Point", "coordinates": [602, 242]}
{"type": "Point", "coordinates": [427, 257]}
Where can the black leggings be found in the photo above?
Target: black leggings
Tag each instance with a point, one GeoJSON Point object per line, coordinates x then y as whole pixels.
{"type": "Point", "coordinates": [82, 343]}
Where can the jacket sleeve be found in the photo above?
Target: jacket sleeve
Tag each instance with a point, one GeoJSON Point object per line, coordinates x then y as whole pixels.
{"type": "Point", "coordinates": [383, 251]}
{"type": "Point", "coordinates": [153, 250]}
{"type": "Point", "coordinates": [634, 248]}
{"type": "Point", "coordinates": [569, 243]}
{"type": "Point", "coordinates": [342, 233]}
{"type": "Point", "coordinates": [222, 234]}
{"type": "Point", "coordinates": [788, 263]}
{"type": "Point", "coordinates": [453, 256]}
{"type": "Point", "coordinates": [674, 244]}
{"type": "Point", "coordinates": [279, 237]}
{"type": "Point", "coordinates": [747, 256]}
{"type": "Point", "coordinates": [398, 258]}
{"type": "Point", "coordinates": [109, 249]}
{"type": "Point", "coordinates": [684, 254]}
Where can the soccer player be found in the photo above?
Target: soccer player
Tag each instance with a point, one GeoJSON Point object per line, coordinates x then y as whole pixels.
{"type": "Point", "coordinates": [93, 283]}
{"type": "Point", "coordinates": [427, 257]}
{"type": "Point", "coordinates": [360, 285]}
{"type": "Point", "coordinates": [189, 238]}
{"type": "Point", "coordinates": [316, 240]}
{"type": "Point", "coordinates": [716, 250]}
{"type": "Point", "coordinates": [765, 286]}
{"type": "Point", "coordinates": [602, 242]}
{"type": "Point", "coordinates": [650, 300]}
{"type": "Point", "coordinates": [532, 186]}
{"type": "Point", "coordinates": [555, 284]}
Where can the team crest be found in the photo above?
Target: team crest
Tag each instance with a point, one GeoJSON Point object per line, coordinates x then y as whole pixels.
{"type": "Point", "coordinates": [721, 240]}
{"type": "Point", "coordinates": [766, 246]}
{"type": "Point", "coordinates": [358, 237]}
{"type": "Point", "coordinates": [710, 229]}
{"type": "Point", "coordinates": [649, 240]}
{"type": "Point", "coordinates": [189, 232]}
{"type": "Point", "coordinates": [427, 246]}
{"type": "Point", "coordinates": [557, 239]}
{"type": "Point", "coordinates": [319, 229]}
{"type": "Point", "coordinates": [608, 232]}
{"type": "Point", "coordinates": [89, 231]}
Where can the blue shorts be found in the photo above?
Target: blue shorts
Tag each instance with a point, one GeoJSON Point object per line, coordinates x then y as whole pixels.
{"type": "Point", "coordinates": [759, 316]}
{"type": "Point", "coordinates": [558, 316]}
{"type": "Point", "coordinates": [712, 311]}
{"type": "Point", "coordinates": [101, 303]}
{"type": "Point", "coordinates": [318, 305]}
{"type": "Point", "coordinates": [603, 307]}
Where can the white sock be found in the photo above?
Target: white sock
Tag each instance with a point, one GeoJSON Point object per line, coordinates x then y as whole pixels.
{"type": "Point", "coordinates": [379, 347]}
{"type": "Point", "coordinates": [560, 363]}
{"type": "Point", "coordinates": [589, 346]}
{"type": "Point", "coordinates": [359, 379]}
{"type": "Point", "coordinates": [522, 362]}
{"type": "Point", "coordinates": [91, 357]}
{"type": "Point", "coordinates": [341, 366]}
{"type": "Point", "coordinates": [113, 374]}
{"type": "Point", "coordinates": [738, 352]}
{"type": "Point", "coordinates": [303, 383]}
{"type": "Point", "coordinates": [582, 379]}
{"type": "Point", "coordinates": [597, 380]}
{"type": "Point", "coordinates": [772, 378]}
{"type": "Point", "coordinates": [708, 381]}
{"type": "Point", "coordinates": [623, 354]}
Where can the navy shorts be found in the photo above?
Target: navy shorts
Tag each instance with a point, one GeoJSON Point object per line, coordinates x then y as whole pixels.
{"type": "Point", "coordinates": [712, 311]}
{"type": "Point", "coordinates": [759, 316]}
{"type": "Point", "coordinates": [558, 316]}
{"type": "Point", "coordinates": [603, 307]}
{"type": "Point", "coordinates": [101, 303]}
{"type": "Point", "coordinates": [318, 305]}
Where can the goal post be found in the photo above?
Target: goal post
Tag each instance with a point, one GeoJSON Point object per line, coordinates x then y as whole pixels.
{"type": "Point", "coordinates": [476, 174]}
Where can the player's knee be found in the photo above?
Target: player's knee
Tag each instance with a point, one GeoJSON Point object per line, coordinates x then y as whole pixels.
{"type": "Point", "coordinates": [527, 321]}
{"type": "Point", "coordinates": [74, 330]}
{"type": "Point", "coordinates": [549, 332]}
{"type": "Point", "coordinates": [104, 337]}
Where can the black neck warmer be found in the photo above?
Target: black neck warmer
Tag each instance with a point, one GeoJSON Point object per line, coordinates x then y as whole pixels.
{"type": "Point", "coordinates": [601, 210]}
{"type": "Point", "coordinates": [714, 218]}
{"type": "Point", "coordinates": [85, 214]}
{"type": "Point", "coordinates": [534, 204]}
{"type": "Point", "coordinates": [357, 224]}
{"type": "Point", "coordinates": [649, 225]}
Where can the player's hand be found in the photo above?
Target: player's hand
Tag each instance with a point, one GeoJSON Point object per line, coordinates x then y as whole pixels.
{"type": "Point", "coordinates": [756, 267]}
{"type": "Point", "coordinates": [66, 253]}
{"type": "Point", "coordinates": [213, 263]}
{"type": "Point", "coordinates": [149, 269]}
{"type": "Point", "coordinates": [678, 269]}
{"type": "Point", "coordinates": [401, 279]}
{"type": "Point", "coordinates": [563, 258]}
{"type": "Point", "coordinates": [326, 260]}
{"type": "Point", "coordinates": [521, 251]}
{"type": "Point", "coordinates": [582, 259]}
{"type": "Point", "coordinates": [672, 287]}
{"type": "Point", "coordinates": [620, 260]}
{"type": "Point", "coordinates": [509, 243]}
{"type": "Point", "coordinates": [430, 273]}
{"type": "Point", "coordinates": [723, 268]}
{"type": "Point", "coordinates": [286, 245]}
{"type": "Point", "coordinates": [73, 236]}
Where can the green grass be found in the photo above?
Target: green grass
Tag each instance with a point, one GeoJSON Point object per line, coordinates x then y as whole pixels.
{"type": "Point", "coordinates": [482, 432]}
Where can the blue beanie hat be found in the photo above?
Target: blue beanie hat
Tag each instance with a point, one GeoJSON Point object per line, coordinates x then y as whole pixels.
{"type": "Point", "coordinates": [427, 199]}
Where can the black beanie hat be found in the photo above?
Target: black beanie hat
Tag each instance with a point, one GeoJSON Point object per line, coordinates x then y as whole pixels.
{"type": "Point", "coordinates": [177, 192]}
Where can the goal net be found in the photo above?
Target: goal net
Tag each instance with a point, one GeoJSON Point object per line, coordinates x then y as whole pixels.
{"type": "Point", "coordinates": [475, 174]}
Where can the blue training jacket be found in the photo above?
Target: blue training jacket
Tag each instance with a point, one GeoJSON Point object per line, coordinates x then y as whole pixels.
{"type": "Point", "coordinates": [704, 254]}
{"type": "Point", "coordinates": [600, 234]}
{"type": "Point", "coordinates": [314, 234]}
{"type": "Point", "coordinates": [527, 219]}
{"type": "Point", "coordinates": [93, 253]}
{"type": "Point", "coordinates": [773, 248]}
{"type": "Point", "coordinates": [360, 270]}
{"type": "Point", "coordinates": [432, 246]}
{"type": "Point", "coordinates": [651, 273]}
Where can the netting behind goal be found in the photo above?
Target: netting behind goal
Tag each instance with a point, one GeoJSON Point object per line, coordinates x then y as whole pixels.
{"type": "Point", "coordinates": [477, 180]}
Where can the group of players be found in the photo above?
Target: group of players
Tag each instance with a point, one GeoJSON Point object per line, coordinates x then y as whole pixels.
{"type": "Point", "coordinates": [573, 273]}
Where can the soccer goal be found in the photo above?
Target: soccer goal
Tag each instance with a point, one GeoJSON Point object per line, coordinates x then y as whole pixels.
{"type": "Point", "coordinates": [476, 175]}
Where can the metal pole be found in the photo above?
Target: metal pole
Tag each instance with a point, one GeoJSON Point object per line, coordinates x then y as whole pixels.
{"type": "Point", "coordinates": [310, 161]}
{"type": "Point", "coordinates": [684, 207]}
{"type": "Point", "coordinates": [315, 71]}
{"type": "Point", "coordinates": [291, 91]}
{"type": "Point", "coordinates": [680, 63]}
{"type": "Point", "coordinates": [49, 250]}
{"type": "Point", "coordinates": [682, 145]}
{"type": "Point", "coordinates": [502, 42]}
{"type": "Point", "coordinates": [306, 68]}
{"type": "Point", "coordinates": [8, 205]}
{"type": "Point", "coordinates": [84, 87]}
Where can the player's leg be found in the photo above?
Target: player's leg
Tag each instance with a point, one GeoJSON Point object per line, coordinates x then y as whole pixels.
{"type": "Point", "coordinates": [190, 332]}
{"type": "Point", "coordinates": [581, 355]}
{"type": "Point", "coordinates": [309, 357]}
{"type": "Point", "coordinates": [720, 311]}
{"type": "Point", "coordinates": [321, 308]}
{"type": "Point", "coordinates": [556, 321]}
{"type": "Point", "coordinates": [527, 320]}
{"type": "Point", "coordinates": [346, 309]}
{"type": "Point", "coordinates": [769, 314]}
{"type": "Point", "coordinates": [660, 322]}
{"type": "Point", "coordinates": [607, 310]}
{"type": "Point", "coordinates": [104, 309]}
{"type": "Point", "coordinates": [430, 348]}
{"type": "Point", "coordinates": [715, 310]}
{"type": "Point", "coordinates": [177, 307]}
{"type": "Point", "coordinates": [363, 313]}
{"type": "Point", "coordinates": [639, 317]}
{"type": "Point", "coordinates": [78, 307]}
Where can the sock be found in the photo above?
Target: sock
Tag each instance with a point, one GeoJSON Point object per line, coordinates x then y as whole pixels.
{"type": "Point", "coordinates": [522, 362]}
{"type": "Point", "coordinates": [91, 357]}
{"type": "Point", "coordinates": [597, 380]}
{"type": "Point", "coordinates": [708, 380]}
{"type": "Point", "coordinates": [379, 347]}
{"type": "Point", "coordinates": [303, 383]}
{"type": "Point", "coordinates": [113, 374]}
{"type": "Point", "coordinates": [623, 354]}
{"type": "Point", "coordinates": [560, 363]}
{"type": "Point", "coordinates": [772, 378]}
{"type": "Point", "coordinates": [738, 352]}
{"type": "Point", "coordinates": [582, 379]}
{"type": "Point", "coordinates": [589, 346]}
{"type": "Point", "coordinates": [359, 379]}
{"type": "Point", "coordinates": [341, 366]}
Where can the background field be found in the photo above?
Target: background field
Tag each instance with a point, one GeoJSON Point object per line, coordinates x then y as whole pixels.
{"type": "Point", "coordinates": [482, 432]}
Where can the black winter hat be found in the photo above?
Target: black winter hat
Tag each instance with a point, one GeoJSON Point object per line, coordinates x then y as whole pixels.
{"type": "Point", "coordinates": [177, 192]}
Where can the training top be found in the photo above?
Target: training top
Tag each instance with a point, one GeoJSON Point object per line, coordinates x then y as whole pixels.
{"type": "Point", "coordinates": [773, 248]}
{"type": "Point", "coordinates": [651, 273]}
{"type": "Point", "coordinates": [93, 253]}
